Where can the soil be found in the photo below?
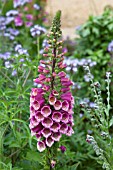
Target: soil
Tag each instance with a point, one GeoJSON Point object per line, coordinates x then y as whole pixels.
{"type": "Point", "coordinates": [75, 12]}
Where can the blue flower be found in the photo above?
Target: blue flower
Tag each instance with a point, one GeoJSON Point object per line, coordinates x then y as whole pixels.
{"type": "Point", "coordinates": [110, 46]}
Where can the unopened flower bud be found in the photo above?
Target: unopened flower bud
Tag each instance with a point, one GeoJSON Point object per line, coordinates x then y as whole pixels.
{"type": "Point", "coordinates": [60, 47]}
{"type": "Point", "coordinates": [54, 74]}
{"type": "Point", "coordinates": [63, 149]}
{"type": "Point", "coordinates": [54, 40]}
{"type": "Point", "coordinates": [53, 163]}
{"type": "Point", "coordinates": [45, 55]}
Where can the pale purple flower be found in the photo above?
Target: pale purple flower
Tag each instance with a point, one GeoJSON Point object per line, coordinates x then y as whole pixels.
{"type": "Point", "coordinates": [38, 135]}
{"type": "Point", "coordinates": [22, 60]}
{"type": "Point", "coordinates": [17, 3]}
{"type": "Point", "coordinates": [55, 127]}
{"type": "Point", "coordinates": [12, 31]}
{"type": "Point", "coordinates": [12, 13]}
{"type": "Point", "coordinates": [37, 30]}
{"type": "Point", "coordinates": [45, 43]}
{"type": "Point", "coordinates": [58, 105]}
{"type": "Point", "coordinates": [47, 122]}
{"type": "Point", "coordinates": [36, 105]}
{"type": "Point", "coordinates": [36, 6]}
{"type": "Point", "coordinates": [69, 131]}
{"type": "Point", "coordinates": [45, 111]}
{"type": "Point", "coordinates": [38, 116]}
{"type": "Point", "coordinates": [56, 116]}
{"type": "Point", "coordinates": [18, 21]}
{"type": "Point", "coordinates": [41, 146]}
{"type": "Point", "coordinates": [8, 64]}
{"type": "Point", "coordinates": [63, 128]}
{"type": "Point", "coordinates": [46, 132]}
{"type": "Point", "coordinates": [52, 100]}
{"type": "Point", "coordinates": [9, 20]}
{"type": "Point", "coordinates": [28, 24]}
{"type": "Point", "coordinates": [56, 136]}
{"type": "Point", "coordinates": [110, 47]}
{"type": "Point", "coordinates": [65, 117]}
{"type": "Point", "coordinates": [2, 23]}
{"type": "Point", "coordinates": [5, 55]}
{"type": "Point", "coordinates": [20, 50]}
{"type": "Point", "coordinates": [14, 73]}
{"type": "Point", "coordinates": [29, 16]}
{"type": "Point", "coordinates": [17, 47]}
{"type": "Point", "coordinates": [49, 141]}
{"type": "Point", "coordinates": [65, 105]}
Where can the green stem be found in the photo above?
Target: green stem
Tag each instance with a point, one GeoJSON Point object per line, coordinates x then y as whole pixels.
{"type": "Point", "coordinates": [38, 48]}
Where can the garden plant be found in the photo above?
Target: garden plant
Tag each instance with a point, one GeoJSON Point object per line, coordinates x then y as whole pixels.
{"type": "Point", "coordinates": [55, 106]}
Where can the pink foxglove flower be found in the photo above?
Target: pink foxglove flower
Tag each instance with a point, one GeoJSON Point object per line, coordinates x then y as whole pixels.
{"type": "Point", "coordinates": [51, 105]}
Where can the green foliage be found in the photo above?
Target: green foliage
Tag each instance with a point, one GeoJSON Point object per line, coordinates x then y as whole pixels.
{"type": "Point", "coordinates": [92, 43]}
{"type": "Point", "coordinates": [100, 117]}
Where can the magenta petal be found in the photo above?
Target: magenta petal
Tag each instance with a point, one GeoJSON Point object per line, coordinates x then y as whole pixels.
{"type": "Point", "coordinates": [55, 127]}
{"type": "Point", "coordinates": [38, 136]}
{"type": "Point", "coordinates": [32, 110]}
{"type": "Point", "coordinates": [37, 81]}
{"type": "Point", "coordinates": [45, 111]}
{"type": "Point", "coordinates": [58, 105]}
{"type": "Point", "coordinates": [57, 116]}
{"type": "Point", "coordinates": [56, 136]}
{"type": "Point", "coordinates": [55, 93]}
{"type": "Point", "coordinates": [49, 141]}
{"type": "Point", "coordinates": [34, 91]}
{"type": "Point", "coordinates": [65, 105]}
{"type": "Point", "coordinates": [65, 89]}
{"type": "Point", "coordinates": [34, 121]}
{"type": "Point", "coordinates": [69, 131]}
{"type": "Point", "coordinates": [42, 77]}
{"type": "Point", "coordinates": [37, 129]}
{"type": "Point", "coordinates": [47, 122]}
{"type": "Point", "coordinates": [63, 128]}
{"type": "Point", "coordinates": [46, 87]}
{"type": "Point", "coordinates": [52, 100]}
{"type": "Point", "coordinates": [65, 117]}
{"type": "Point", "coordinates": [46, 132]}
{"type": "Point", "coordinates": [64, 79]}
{"type": "Point", "coordinates": [41, 146]}
{"type": "Point", "coordinates": [61, 74]}
{"type": "Point", "coordinates": [38, 116]}
{"type": "Point", "coordinates": [31, 126]}
{"type": "Point", "coordinates": [32, 99]}
{"type": "Point", "coordinates": [36, 105]}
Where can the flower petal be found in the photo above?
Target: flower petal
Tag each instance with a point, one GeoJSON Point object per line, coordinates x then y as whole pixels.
{"type": "Point", "coordinates": [57, 116]}
{"type": "Point", "coordinates": [56, 136]}
{"type": "Point", "coordinates": [41, 146]}
{"type": "Point", "coordinates": [49, 141]}
{"type": "Point", "coordinates": [58, 105]}
{"type": "Point", "coordinates": [47, 122]}
{"type": "Point", "coordinates": [55, 127]}
{"type": "Point", "coordinates": [45, 111]}
{"type": "Point", "coordinates": [46, 132]}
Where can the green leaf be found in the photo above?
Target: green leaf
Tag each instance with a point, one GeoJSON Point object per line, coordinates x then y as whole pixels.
{"type": "Point", "coordinates": [111, 122]}
{"type": "Point", "coordinates": [86, 32]}
{"type": "Point", "coordinates": [34, 156]}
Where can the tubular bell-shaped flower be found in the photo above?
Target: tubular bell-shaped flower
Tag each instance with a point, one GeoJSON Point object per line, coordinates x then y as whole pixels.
{"type": "Point", "coordinates": [51, 113]}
